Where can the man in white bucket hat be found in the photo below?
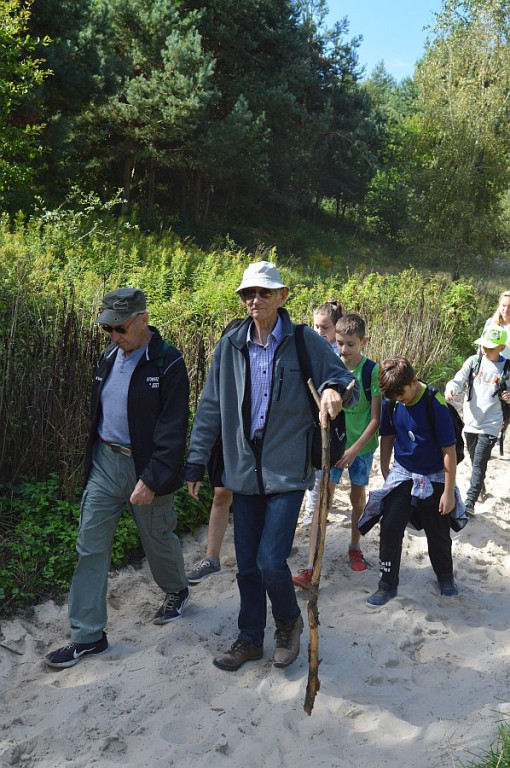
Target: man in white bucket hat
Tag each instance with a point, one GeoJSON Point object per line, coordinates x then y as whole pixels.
{"type": "Point", "coordinates": [255, 397]}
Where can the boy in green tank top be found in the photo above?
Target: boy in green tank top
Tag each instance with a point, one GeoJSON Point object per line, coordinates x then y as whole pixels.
{"type": "Point", "coordinates": [362, 424]}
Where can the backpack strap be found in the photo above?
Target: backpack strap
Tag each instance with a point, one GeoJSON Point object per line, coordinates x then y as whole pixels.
{"type": "Point", "coordinates": [390, 408]}
{"type": "Point", "coordinates": [366, 378]}
{"type": "Point", "coordinates": [305, 366]}
{"type": "Point", "coordinates": [430, 394]}
{"type": "Point", "coordinates": [472, 373]}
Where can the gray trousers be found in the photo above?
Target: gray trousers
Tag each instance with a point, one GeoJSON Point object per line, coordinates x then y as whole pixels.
{"type": "Point", "coordinates": [110, 484]}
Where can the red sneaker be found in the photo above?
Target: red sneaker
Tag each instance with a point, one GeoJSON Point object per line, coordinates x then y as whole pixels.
{"type": "Point", "coordinates": [303, 579]}
{"type": "Point", "coordinates": [356, 560]}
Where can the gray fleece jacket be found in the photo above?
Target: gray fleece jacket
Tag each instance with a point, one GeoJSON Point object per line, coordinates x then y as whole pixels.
{"type": "Point", "coordinates": [482, 414]}
{"type": "Point", "coordinates": [224, 409]}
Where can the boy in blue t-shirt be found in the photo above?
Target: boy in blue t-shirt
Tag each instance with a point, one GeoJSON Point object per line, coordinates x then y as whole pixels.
{"type": "Point", "coordinates": [421, 485]}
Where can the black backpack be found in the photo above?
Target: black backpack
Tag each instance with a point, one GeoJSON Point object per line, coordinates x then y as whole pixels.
{"type": "Point", "coordinates": [337, 428]}
{"type": "Point", "coordinates": [458, 424]}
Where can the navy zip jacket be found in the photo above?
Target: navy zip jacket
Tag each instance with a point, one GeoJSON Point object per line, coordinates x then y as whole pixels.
{"type": "Point", "coordinates": [157, 413]}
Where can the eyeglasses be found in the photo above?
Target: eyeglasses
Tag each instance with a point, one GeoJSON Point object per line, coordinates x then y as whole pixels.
{"type": "Point", "coordinates": [117, 328]}
{"type": "Point", "coordinates": [250, 293]}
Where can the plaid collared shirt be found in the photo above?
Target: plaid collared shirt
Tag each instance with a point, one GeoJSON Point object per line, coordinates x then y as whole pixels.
{"type": "Point", "coordinates": [261, 371]}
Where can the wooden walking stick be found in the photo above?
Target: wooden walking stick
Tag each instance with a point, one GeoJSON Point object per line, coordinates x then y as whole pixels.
{"type": "Point", "coordinates": [314, 684]}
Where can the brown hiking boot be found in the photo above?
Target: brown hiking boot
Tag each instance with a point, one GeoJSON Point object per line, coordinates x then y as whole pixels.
{"type": "Point", "coordinates": [240, 652]}
{"type": "Point", "coordinates": [287, 642]}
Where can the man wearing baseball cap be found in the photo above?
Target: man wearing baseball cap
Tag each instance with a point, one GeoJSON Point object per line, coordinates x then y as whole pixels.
{"type": "Point", "coordinates": [255, 397]}
{"type": "Point", "coordinates": [486, 379]}
{"type": "Point", "coordinates": [134, 457]}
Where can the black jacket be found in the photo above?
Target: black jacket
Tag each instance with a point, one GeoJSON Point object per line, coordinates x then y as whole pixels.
{"type": "Point", "coordinates": [157, 413]}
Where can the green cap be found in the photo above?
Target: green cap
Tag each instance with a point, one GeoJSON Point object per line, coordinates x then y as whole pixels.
{"type": "Point", "coordinates": [120, 305]}
{"type": "Point", "coordinates": [495, 336]}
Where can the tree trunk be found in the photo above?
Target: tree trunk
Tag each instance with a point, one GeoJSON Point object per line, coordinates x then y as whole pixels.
{"type": "Point", "coordinates": [197, 206]}
{"type": "Point", "coordinates": [129, 169]}
{"type": "Point", "coordinates": [207, 202]}
{"type": "Point", "coordinates": [152, 185]}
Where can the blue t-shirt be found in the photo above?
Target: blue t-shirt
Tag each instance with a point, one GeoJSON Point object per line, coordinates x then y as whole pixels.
{"type": "Point", "coordinates": [418, 441]}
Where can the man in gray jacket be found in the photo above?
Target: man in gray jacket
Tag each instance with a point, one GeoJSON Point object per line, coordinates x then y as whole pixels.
{"type": "Point", "coordinates": [255, 398]}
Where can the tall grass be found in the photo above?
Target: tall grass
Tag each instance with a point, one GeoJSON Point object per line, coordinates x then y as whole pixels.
{"type": "Point", "coordinates": [53, 272]}
{"type": "Point", "coordinates": [54, 275]}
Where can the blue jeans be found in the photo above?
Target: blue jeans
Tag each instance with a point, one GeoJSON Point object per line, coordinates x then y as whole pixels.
{"type": "Point", "coordinates": [264, 527]}
{"type": "Point", "coordinates": [479, 447]}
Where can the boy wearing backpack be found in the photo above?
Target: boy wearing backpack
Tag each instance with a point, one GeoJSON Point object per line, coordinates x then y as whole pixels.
{"type": "Point", "coordinates": [361, 425]}
{"type": "Point", "coordinates": [486, 377]}
{"type": "Point", "coordinates": [420, 488]}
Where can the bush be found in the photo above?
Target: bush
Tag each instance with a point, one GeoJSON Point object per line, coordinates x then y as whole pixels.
{"type": "Point", "coordinates": [53, 271]}
{"type": "Point", "coordinates": [38, 532]}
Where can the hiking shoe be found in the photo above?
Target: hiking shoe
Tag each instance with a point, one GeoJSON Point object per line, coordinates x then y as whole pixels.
{"type": "Point", "coordinates": [356, 560]}
{"type": "Point", "coordinates": [240, 652]}
{"type": "Point", "coordinates": [447, 585]}
{"type": "Point", "coordinates": [287, 642]}
{"type": "Point", "coordinates": [381, 597]}
{"type": "Point", "coordinates": [173, 607]}
{"type": "Point", "coordinates": [303, 579]}
{"type": "Point", "coordinates": [203, 569]}
{"type": "Point", "coordinates": [470, 509]}
{"type": "Point", "coordinates": [307, 518]}
{"type": "Point", "coordinates": [71, 654]}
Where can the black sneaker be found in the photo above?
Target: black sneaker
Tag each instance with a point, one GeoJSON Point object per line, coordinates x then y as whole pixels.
{"type": "Point", "coordinates": [381, 597]}
{"type": "Point", "coordinates": [173, 607]}
{"type": "Point", "coordinates": [447, 585]}
{"type": "Point", "coordinates": [71, 654]}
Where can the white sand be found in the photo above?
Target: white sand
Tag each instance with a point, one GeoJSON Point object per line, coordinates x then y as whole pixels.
{"type": "Point", "coordinates": [422, 682]}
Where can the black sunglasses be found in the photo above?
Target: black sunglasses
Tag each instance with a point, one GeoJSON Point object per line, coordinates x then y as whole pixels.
{"type": "Point", "coordinates": [250, 293]}
{"type": "Point", "coordinates": [117, 328]}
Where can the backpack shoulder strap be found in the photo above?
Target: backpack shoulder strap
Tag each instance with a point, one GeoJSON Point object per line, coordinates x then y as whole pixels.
{"type": "Point", "coordinates": [390, 409]}
{"type": "Point", "coordinates": [366, 378]}
{"type": "Point", "coordinates": [430, 394]}
{"type": "Point", "coordinates": [475, 367]}
{"type": "Point", "coordinates": [304, 365]}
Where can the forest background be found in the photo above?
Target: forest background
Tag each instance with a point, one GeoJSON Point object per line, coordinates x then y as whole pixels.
{"type": "Point", "coordinates": [166, 144]}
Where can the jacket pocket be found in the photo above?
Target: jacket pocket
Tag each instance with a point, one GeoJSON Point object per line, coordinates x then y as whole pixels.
{"type": "Point", "coordinates": [280, 384]}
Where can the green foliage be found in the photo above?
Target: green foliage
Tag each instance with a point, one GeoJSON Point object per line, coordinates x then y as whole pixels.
{"type": "Point", "coordinates": [38, 530]}
{"type": "Point", "coordinates": [53, 270]}
{"type": "Point", "coordinates": [204, 108]}
{"type": "Point", "coordinates": [498, 756]}
{"type": "Point", "coordinates": [19, 76]}
{"type": "Point", "coordinates": [463, 121]}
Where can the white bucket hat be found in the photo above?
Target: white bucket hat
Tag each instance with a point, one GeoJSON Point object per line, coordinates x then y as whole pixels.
{"type": "Point", "coordinates": [261, 274]}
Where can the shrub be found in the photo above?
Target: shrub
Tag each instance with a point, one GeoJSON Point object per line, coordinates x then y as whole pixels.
{"type": "Point", "coordinates": [38, 532]}
{"type": "Point", "coordinates": [54, 270]}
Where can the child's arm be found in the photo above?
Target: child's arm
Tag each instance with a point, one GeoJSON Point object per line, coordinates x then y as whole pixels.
{"type": "Point", "coordinates": [459, 381]}
{"type": "Point", "coordinates": [386, 449]}
{"type": "Point", "coordinates": [447, 500]}
{"type": "Point", "coordinates": [372, 427]}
